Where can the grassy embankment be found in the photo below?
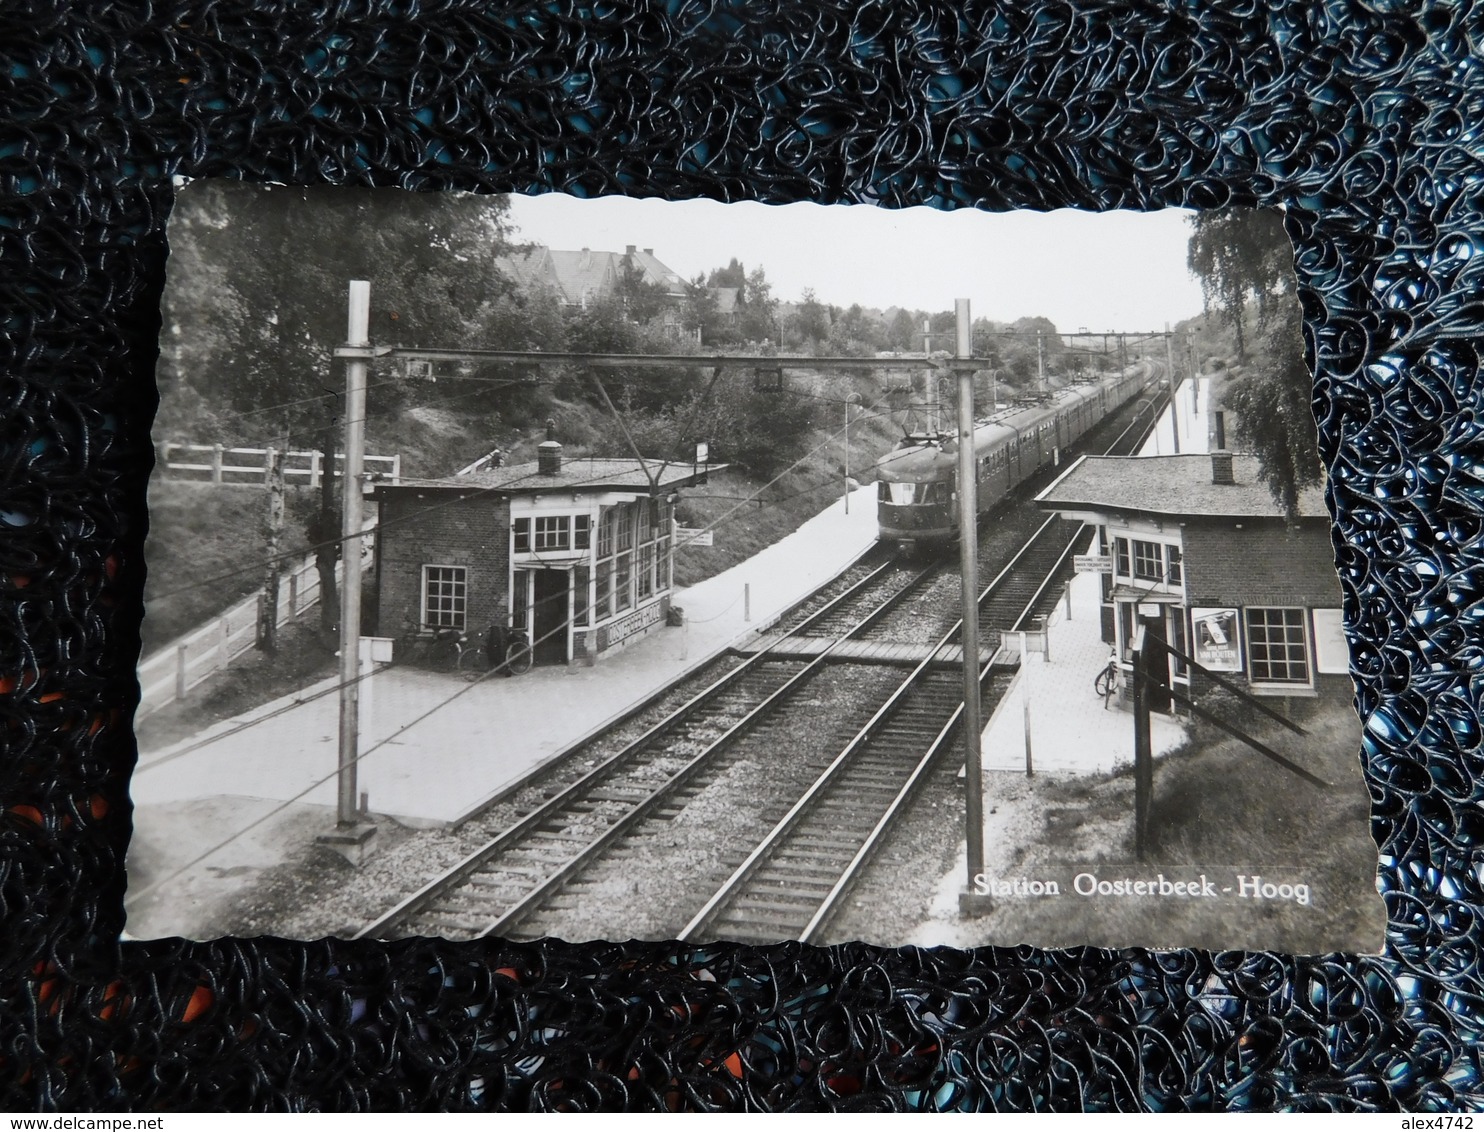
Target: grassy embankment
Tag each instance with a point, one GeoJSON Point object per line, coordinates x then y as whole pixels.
{"type": "Point", "coordinates": [1220, 808]}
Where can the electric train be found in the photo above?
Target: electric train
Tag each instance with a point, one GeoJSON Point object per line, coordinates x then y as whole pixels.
{"type": "Point", "coordinates": [918, 498]}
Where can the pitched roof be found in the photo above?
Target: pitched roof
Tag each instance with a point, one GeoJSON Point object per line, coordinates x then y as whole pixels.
{"type": "Point", "coordinates": [585, 275]}
{"type": "Point", "coordinates": [588, 472]}
{"type": "Point", "coordinates": [657, 273]}
{"type": "Point", "coordinates": [1171, 485]}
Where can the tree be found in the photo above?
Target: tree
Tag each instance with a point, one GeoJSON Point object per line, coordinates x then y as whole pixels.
{"type": "Point", "coordinates": [256, 297]}
{"type": "Point", "coordinates": [1243, 256]}
{"type": "Point", "coordinates": [640, 299]}
{"type": "Point", "coordinates": [701, 311]}
{"type": "Point", "coordinates": [811, 321]}
{"type": "Point", "coordinates": [732, 275]}
{"type": "Point", "coordinates": [1237, 254]}
{"type": "Point", "coordinates": [758, 314]}
{"type": "Point", "coordinates": [905, 332]}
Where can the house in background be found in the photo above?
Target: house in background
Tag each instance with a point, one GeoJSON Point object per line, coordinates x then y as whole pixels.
{"type": "Point", "coordinates": [581, 278]}
{"type": "Point", "coordinates": [577, 553]}
{"type": "Point", "coordinates": [1201, 554]}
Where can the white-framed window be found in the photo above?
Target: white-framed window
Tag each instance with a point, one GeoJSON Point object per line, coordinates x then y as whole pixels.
{"type": "Point", "coordinates": [646, 570]}
{"type": "Point", "coordinates": [445, 597]}
{"type": "Point", "coordinates": [606, 520]}
{"type": "Point", "coordinates": [625, 535]}
{"type": "Point", "coordinates": [1277, 646]}
{"type": "Point", "coordinates": [520, 531]}
{"type": "Point", "coordinates": [1149, 561]}
{"type": "Point", "coordinates": [553, 532]}
{"type": "Point", "coordinates": [623, 593]}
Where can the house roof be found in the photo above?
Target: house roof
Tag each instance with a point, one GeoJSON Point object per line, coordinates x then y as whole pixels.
{"type": "Point", "coordinates": [584, 275]}
{"type": "Point", "coordinates": [1171, 485]}
{"type": "Point", "coordinates": [656, 272]}
{"type": "Point", "coordinates": [585, 473]}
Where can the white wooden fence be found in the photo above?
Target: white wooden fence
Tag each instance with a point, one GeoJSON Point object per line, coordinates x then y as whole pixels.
{"type": "Point", "coordinates": [215, 464]}
{"type": "Point", "coordinates": [169, 673]}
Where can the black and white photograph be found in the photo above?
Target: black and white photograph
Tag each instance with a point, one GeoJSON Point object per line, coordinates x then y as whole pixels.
{"type": "Point", "coordinates": [534, 566]}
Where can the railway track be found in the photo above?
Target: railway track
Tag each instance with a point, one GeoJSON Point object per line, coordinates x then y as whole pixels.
{"type": "Point", "coordinates": [792, 883]}
{"type": "Point", "coordinates": [512, 884]}
{"type": "Point", "coordinates": [498, 884]}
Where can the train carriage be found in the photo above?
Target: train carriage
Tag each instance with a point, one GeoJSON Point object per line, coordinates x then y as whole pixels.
{"type": "Point", "coordinates": [917, 492]}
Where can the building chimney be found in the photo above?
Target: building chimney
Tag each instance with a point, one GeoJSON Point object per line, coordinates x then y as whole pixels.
{"type": "Point", "coordinates": [1221, 468]}
{"type": "Point", "coordinates": [649, 251]}
{"type": "Point", "coordinates": [549, 453]}
{"type": "Point", "coordinates": [629, 250]}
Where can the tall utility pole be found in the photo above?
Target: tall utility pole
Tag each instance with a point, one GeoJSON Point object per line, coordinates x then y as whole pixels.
{"type": "Point", "coordinates": [268, 619]}
{"type": "Point", "coordinates": [968, 540]}
{"type": "Point", "coordinates": [358, 333]}
{"type": "Point", "coordinates": [326, 546]}
{"type": "Point", "coordinates": [1040, 362]}
{"type": "Point", "coordinates": [1174, 386]}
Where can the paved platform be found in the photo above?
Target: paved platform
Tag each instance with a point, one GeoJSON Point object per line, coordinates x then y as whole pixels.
{"type": "Point", "coordinates": [434, 747]}
{"type": "Point", "coordinates": [865, 652]}
{"type": "Point", "coordinates": [1071, 728]}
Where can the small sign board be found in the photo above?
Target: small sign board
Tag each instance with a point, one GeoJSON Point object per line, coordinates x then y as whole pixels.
{"type": "Point", "coordinates": [1093, 563]}
{"type": "Point", "coordinates": [1214, 637]}
{"type": "Point", "coordinates": [693, 536]}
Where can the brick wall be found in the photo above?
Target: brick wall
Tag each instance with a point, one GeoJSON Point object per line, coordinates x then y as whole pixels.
{"type": "Point", "coordinates": [1265, 563]}
{"type": "Point", "coordinates": [439, 528]}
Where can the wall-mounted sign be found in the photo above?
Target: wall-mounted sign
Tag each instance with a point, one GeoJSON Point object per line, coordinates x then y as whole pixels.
{"type": "Point", "coordinates": [1092, 563]}
{"type": "Point", "coordinates": [1215, 639]}
{"type": "Point", "coordinates": [693, 536]}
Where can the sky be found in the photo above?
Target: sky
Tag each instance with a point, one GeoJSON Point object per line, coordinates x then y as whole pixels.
{"type": "Point", "coordinates": [1102, 271]}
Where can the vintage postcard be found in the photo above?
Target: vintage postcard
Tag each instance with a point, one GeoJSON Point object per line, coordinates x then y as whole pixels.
{"type": "Point", "coordinates": [608, 569]}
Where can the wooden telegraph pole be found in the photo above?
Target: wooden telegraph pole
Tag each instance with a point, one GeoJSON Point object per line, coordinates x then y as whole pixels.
{"type": "Point", "coordinates": [968, 530]}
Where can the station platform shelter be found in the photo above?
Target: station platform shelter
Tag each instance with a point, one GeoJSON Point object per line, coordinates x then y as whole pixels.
{"type": "Point", "coordinates": [576, 553]}
{"type": "Point", "coordinates": [1195, 549]}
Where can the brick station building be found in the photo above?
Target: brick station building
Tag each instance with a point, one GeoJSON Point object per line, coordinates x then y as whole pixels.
{"type": "Point", "coordinates": [578, 553]}
{"type": "Point", "coordinates": [1202, 554]}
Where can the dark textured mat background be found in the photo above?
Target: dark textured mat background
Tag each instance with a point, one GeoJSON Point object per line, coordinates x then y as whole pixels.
{"type": "Point", "coordinates": [1362, 118]}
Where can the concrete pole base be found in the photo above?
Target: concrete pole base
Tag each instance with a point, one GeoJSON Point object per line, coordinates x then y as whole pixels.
{"type": "Point", "coordinates": [974, 905]}
{"type": "Point", "coordinates": [356, 843]}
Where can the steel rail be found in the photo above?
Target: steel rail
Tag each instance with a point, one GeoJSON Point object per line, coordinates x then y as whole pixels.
{"type": "Point", "coordinates": [734, 883]}
{"type": "Point", "coordinates": [456, 873]}
{"type": "Point", "coordinates": [552, 883]}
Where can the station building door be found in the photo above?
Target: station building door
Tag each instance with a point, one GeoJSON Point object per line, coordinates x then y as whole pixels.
{"type": "Point", "coordinates": [1166, 621]}
{"type": "Point", "coordinates": [551, 615]}
{"type": "Point", "coordinates": [541, 605]}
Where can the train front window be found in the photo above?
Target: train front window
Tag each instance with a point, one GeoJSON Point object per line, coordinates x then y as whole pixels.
{"type": "Point", "coordinates": [908, 494]}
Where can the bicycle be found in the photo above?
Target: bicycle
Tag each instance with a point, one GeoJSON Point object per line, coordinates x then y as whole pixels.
{"type": "Point", "coordinates": [474, 661]}
{"type": "Point", "coordinates": [1105, 683]}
